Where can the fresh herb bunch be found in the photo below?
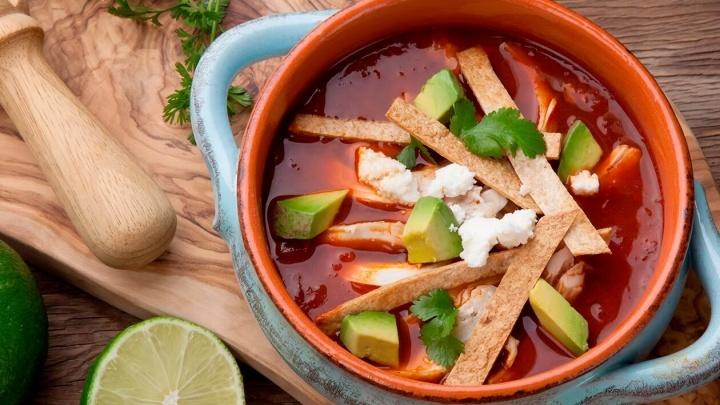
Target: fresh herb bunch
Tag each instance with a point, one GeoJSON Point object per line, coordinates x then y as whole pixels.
{"type": "Point", "coordinates": [438, 313]}
{"type": "Point", "coordinates": [202, 19]}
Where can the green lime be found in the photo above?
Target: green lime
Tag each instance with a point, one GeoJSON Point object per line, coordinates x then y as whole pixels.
{"type": "Point", "coordinates": [164, 361]}
{"type": "Point", "coordinates": [23, 328]}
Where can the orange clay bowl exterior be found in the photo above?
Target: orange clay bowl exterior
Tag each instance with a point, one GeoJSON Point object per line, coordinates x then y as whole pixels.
{"type": "Point", "coordinates": [541, 21]}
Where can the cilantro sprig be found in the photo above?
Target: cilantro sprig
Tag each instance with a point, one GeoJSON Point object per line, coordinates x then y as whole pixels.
{"type": "Point", "coordinates": [499, 133]}
{"type": "Point", "coordinates": [463, 117]}
{"type": "Point", "coordinates": [202, 19]}
{"type": "Point", "coordinates": [408, 155]}
{"type": "Point", "coordinates": [438, 313]}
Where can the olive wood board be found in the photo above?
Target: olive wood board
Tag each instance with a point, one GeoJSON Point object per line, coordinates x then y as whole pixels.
{"type": "Point", "coordinates": [121, 72]}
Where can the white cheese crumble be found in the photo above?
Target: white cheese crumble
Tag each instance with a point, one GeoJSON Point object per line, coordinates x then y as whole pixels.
{"type": "Point", "coordinates": [470, 311]}
{"type": "Point", "coordinates": [476, 202]}
{"type": "Point", "coordinates": [458, 212]}
{"type": "Point", "coordinates": [453, 228]}
{"type": "Point", "coordinates": [388, 176]}
{"type": "Point", "coordinates": [479, 234]}
{"type": "Point", "coordinates": [452, 180]}
{"type": "Point", "coordinates": [516, 228]}
{"type": "Point", "coordinates": [585, 183]}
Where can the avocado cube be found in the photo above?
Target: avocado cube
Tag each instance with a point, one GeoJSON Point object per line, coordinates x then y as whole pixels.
{"type": "Point", "coordinates": [372, 335]}
{"type": "Point", "coordinates": [559, 318]}
{"type": "Point", "coordinates": [580, 151]}
{"type": "Point", "coordinates": [430, 234]}
{"type": "Point", "coordinates": [306, 216]}
{"type": "Point", "coordinates": [438, 95]}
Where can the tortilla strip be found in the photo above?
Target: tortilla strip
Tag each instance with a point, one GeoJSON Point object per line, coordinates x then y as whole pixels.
{"type": "Point", "coordinates": [503, 310]}
{"type": "Point", "coordinates": [379, 131]}
{"type": "Point", "coordinates": [536, 174]}
{"type": "Point", "coordinates": [494, 173]}
{"type": "Point", "coordinates": [408, 289]}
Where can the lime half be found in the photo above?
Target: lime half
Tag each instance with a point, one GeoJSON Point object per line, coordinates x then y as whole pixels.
{"type": "Point", "coordinates": [165, 361]}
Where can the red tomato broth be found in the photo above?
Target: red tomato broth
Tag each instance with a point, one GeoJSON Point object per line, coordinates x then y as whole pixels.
{"type": "Point", "coordinates": [364, 85]}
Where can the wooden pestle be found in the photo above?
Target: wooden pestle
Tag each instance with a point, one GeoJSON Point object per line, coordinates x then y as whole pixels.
{"type": "Point", "coordinates": [122, 215]}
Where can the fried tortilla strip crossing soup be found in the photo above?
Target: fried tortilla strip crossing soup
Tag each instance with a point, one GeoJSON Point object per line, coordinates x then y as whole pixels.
{"type": "Point", "coordinates": [536, 174]}
{"type": "Point", "coordinates": [362, 130]}
{"type": "Point", "coordinates": [494, 173]}
{"type": "Point", "coordinates": [379, 131]}
{"type": "Point", "coordinates": [503, 310]}
{"type": "Point", "coordinates": [406, 290]}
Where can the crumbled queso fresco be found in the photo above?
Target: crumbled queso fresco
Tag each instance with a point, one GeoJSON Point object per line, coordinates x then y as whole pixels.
{"type": "Point", "coordinates": [479, 235]}
{"type": "Point", "coordinates": [585, 183]}
{"type": "Point", "coordinates": [474, 209]}
{"type": "Point", "coordinates": [393, 180]}
{"type": "Point", "coordinates": [476, 202]}
{"type": "Point", "coordinates": [452, 180]}
{"type": "Point", "coordinates": [390, 178]}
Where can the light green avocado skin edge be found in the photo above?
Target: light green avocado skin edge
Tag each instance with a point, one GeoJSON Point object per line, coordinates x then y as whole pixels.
{"type": "Point", "coordinates": [370, 323]}
{"type": "Point", "coordinates": [439, 94]}
{"type": "Point", "coordinates": [92, 371]}
{"type": "Point", "coordinates": [293, 218]}
{"type": "Point", "coordinates": [580, 151]}
{"type": "Point", "coordinates": [439, 243]}
{"type": "Point", "coordinates": [23, 328]}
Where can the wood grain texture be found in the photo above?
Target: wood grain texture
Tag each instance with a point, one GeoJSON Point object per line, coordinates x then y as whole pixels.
{"type": "Point", "coordinates": [124, 84]}
{"type": "Point", "coordinates": [122, 215]}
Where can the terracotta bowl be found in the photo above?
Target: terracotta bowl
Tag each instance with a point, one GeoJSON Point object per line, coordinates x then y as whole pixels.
{"type": "Point", "coordinates": [326, 37]}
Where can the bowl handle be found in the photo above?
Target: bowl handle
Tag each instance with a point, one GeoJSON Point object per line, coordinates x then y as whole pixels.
{"type": "Point", "coordinates": [689, 368]}
{"type": "Point", "coordinates": [234, 50]}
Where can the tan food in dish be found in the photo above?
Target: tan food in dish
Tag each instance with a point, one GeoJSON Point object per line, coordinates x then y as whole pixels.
{"type": "Point", "coordinates": [536, 174]}
{"type": "Point", "coordinates": [493, 329]}
{"type": "Point", "coordinates": [493, 173]}
{"type": "Point", "coordinates": [378, 131]}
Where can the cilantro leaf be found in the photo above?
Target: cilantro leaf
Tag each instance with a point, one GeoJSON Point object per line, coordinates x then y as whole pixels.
{"type": "Point", "coordinates": [444, 350]}
{"type": "Point", "coordinates": [503, 131]}
{"type": "Point", "coordinates": [441, 325]}
{"type": "Point", "coordinates": [463, 116]}
{"type": "Point", "coordinates": [436, 303]}
{"type": "Point", "coordinates": [438, 312]}
{"type": "Point", "coordinates": [408, 155]}
{"type": "Point", "coordinates": [201, 25]}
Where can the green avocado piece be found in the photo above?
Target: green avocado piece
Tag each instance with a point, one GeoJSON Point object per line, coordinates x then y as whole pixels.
{"type": "Point", "coordinates": [559, 318]}
{"type": "Point", "coordinates": [439, 94]}
{"type": "Point", "coordinates": [372, 335]}
{"type": "Point", "coordinates": [430, 234]}
{"type": "Point", "coordinates": [306, 216]}
{"type": "Point", "coordinates": [580, 151]}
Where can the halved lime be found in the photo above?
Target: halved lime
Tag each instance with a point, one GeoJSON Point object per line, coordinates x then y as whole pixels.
{"type": "Point", "coordinates": [165, 361]}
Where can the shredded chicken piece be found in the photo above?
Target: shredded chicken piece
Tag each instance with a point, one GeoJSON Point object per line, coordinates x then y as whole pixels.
{"type": "Point", "coordinates": [510, 351]}
{"type": "Point", "coordinates": [558, 264]}
{"type": "Point", "coordinates": [471, 302]}
{"type": "Point", "coordinates": [379, 235]}
{"type": "Point", "coordinates": [367, 196]}
{"type": "Point", "coordinates": [571, 284]}
{"type": "Point", "coordinates": [380, 274]}
{"type": "Point", "coordinates": [427, 371]}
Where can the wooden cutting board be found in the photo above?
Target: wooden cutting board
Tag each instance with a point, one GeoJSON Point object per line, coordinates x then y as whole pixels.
{"type": "Point", "coordinates": [122, 71]}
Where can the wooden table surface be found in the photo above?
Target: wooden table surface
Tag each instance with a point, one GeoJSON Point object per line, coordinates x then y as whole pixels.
{"type": "Point", "coordinates": [678, 40]}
